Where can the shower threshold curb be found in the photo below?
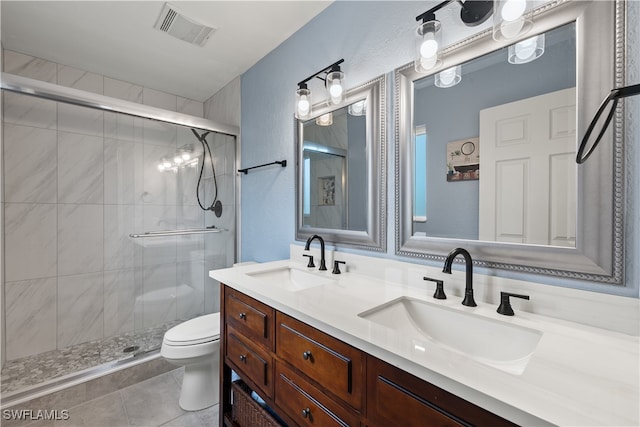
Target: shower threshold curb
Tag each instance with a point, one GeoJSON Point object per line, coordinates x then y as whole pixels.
{"type": "Point", "coordinates": [68, 381]}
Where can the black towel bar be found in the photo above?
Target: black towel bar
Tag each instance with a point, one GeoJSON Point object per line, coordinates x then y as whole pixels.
{"type": "Point", "coordinates": [282, 162]}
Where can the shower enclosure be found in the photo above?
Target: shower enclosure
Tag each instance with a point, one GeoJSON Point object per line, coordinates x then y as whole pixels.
{"type": "Point", "coordinates": [106, 244]}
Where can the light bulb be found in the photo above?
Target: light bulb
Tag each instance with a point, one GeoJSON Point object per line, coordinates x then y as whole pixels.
{"type": "Point", "coordinates": [513, 9]}
{"type": "Point", "coordinates": [186, 156]}
{"type": "Point", "coordinates": [303, 105]}
{"type": "Point", "coordinates": [325, 120]}
{"type": "Point", "coordinates": [336, 89]}
{"type": "Point", "coordinates": [428, 48]}
{"type": "Point", "coordinates": [161, 167]}
{"type": "Point", "coordinates": [526, 48]}
{"type": "Point", "coordinates": [358, 108]}
{"type": "Point", "coordinates": [166, 164]}
{"type": "Point", "coordinates": [447, 76]}
{"type": "Point", "coordinates": [177, 160]}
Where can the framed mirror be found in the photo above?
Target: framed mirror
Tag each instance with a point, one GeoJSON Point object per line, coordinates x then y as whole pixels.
{"type": "Point", "coordinates": [488, 164]}
{"type": "Point", "coordinates": [341, 173]}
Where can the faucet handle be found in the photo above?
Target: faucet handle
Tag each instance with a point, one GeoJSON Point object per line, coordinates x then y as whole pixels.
{"type": "Point", "coordinates": [505, 305]}
{"type": "Point", "coordinates": [336, 266]}
{"type": "Point", "coordinates": [310, 264]}
{"type": "Point", "coordinates": [439, 294]}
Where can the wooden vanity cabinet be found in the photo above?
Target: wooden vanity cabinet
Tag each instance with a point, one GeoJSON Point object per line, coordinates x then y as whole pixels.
{"type": "Point", "coordinates": [308, 405]}
{"type": "Point", "coordinates": [332, 365]}
{"type": "Point", "coordinates": [310, 378]}
{"type": "Point", "coordinates": [393, 394]}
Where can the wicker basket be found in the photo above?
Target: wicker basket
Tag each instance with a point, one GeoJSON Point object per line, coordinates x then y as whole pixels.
{"type": "Point", "coordinates": [247, 412]}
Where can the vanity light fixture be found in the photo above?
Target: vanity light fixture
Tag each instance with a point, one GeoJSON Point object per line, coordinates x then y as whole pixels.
{"type": "Point", "coordinates": [526, 50]}
{"type": "Point", "coordinates": [325, 120]}
{"type": "Point", "coordinates": [334, 83]}
{"type": "Point", "coordinates": [358, 108]}
{"type": "Point", "coordinates": [303, 101]}
{"type": "Point", "coordinates": [449, 77]}
{"type": "Point", "coordinates": [512, 18]}
{"type": "Point", "coordinates": [429, 32]}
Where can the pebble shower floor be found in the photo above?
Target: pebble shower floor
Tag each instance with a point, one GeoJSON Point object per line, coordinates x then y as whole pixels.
{"type": "Point", "coordinates": [20, 374]}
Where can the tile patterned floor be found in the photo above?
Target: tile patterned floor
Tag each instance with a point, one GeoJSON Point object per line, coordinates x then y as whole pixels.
{"type": "Point", "coordinates": [29, 371]}
{"type": "Point", "coordinates": [151, 403]}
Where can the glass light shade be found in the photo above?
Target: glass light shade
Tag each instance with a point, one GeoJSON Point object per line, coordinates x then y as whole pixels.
{"type": "Point", "coordinates": [511, 18]}
{"type": "Point", "coordinates": [526, 50]}
{"type": "Point", "coordinates": [358, 108]}
{"type": "Point", "coordinates": [303, 103]}
{"type": "Point", "coordinates": [449, 77]}
{"type": "Point", "coordinates": [428, 46]}
{"type": "Point", "coordinates": [325, 120]}
{"type": "Point", "coordinates": [335, 87]}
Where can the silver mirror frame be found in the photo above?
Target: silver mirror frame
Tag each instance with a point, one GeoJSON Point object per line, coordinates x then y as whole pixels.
{"type": "Point", "coordinates": [374, 238]}
{"type": "Point", "coordinates": [599, 252]}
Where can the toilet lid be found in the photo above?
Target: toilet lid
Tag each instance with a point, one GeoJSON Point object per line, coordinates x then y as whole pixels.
{"type": "Point", "coordinates": [195, 331]}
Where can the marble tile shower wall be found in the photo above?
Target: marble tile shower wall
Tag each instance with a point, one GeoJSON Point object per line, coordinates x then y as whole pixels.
{"type": "Point", "coordinates": [76, 183]}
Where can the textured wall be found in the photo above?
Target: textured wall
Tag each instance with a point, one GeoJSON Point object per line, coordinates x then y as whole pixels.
{"type": "Point", "coordinates": [373, 38]}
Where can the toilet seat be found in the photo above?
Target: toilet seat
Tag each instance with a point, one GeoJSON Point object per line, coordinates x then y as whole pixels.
{"type": "Point", "coordinates": [199, 330]}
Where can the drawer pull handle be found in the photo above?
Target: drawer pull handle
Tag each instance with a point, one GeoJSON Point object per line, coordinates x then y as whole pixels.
{"type": "Point", "coordinates": [306, 355]}
{"type": "Point", "coordinates": [243, 316]}
{"type": "Point", "coordinates": [243, 358]}
{"type": "Point", "coordinates": [306, 412]}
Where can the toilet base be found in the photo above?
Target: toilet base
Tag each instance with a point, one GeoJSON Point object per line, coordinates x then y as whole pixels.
{"type": "Point", "coordinates": [201, 384]}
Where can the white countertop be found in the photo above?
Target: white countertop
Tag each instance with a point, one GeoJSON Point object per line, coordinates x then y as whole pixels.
{"type": "Point", "coordinates": [578, 375]}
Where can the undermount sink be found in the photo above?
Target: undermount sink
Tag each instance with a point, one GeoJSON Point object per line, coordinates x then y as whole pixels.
{"type": "Point", "coordinates": [492, 342]}
{"type": "Point", "coordinates": [291, 279]}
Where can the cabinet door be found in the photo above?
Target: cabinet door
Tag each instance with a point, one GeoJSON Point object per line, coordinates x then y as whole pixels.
{"type": "Point", "coordinates": [332, 364]}
{"type": "Point", "coordinates": [395, 397]}
{"type": "Point", "coordinates": [250, 317]}
{"type": "Point", "coordinates": [308, 406]}
{"type": "Point", "coordinates": [252, 363]}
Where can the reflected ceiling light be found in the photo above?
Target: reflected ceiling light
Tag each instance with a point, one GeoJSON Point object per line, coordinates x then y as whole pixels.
{"type": "Point", "coordinates": [358, 108]}
{"type": "Point", "coordinates": [325, 120]}
{"type": "Point", "coordinates": [429, 32]}
{"type": "Point", "coordinates": [334, 83]}
{"type": "Point", "coordinates": [182, 158]}
{"type": "Point", "coordinates": [526, 50]}
{"type": "Point", "coordinates": [449, 77]}
{"type": "Point", "coordinates": [512, 18]}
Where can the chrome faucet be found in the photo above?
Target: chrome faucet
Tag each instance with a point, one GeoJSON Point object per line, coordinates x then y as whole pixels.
{"type": "Point", "coordinates": [468, 288]}
{"type": "Point", "coordinates": [306, 248]}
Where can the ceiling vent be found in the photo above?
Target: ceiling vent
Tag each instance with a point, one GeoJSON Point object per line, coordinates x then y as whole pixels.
{"type": "Point", "coordinates": [176, 24]}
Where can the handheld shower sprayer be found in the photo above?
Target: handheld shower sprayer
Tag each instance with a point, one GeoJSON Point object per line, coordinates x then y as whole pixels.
{"type": "Point", "coordinates": [216, 205]}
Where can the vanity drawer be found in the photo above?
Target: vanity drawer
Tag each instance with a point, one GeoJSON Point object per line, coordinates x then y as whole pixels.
{"type": "Point", "coordinates": [251, 362]}
{"type": "Point", "coordinates": [250, 317]}
{"type": "Point", "coordinates": [395, 397]}
{"type": "Point", "coordinates": [335, 366]}
{"type": "Point", "coordinates": [307, 405]}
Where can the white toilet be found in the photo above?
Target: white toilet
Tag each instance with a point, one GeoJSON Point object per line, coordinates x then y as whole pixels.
{"type": "Point", "coordinates": [195, 344]}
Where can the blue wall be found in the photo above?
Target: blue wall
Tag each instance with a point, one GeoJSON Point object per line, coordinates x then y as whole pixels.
{"type": "Point", "coordinates": [374, 38]}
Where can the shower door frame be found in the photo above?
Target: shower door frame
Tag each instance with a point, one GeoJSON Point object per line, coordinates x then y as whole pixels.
{"type": "Point", "coordinates": [67, 95]}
